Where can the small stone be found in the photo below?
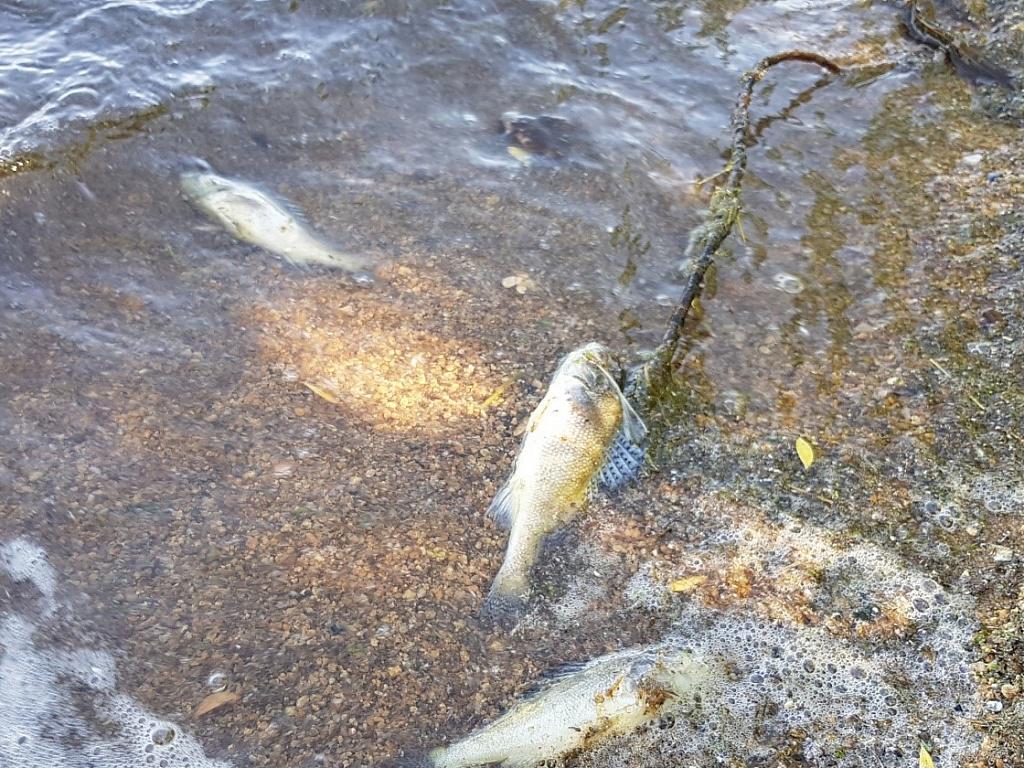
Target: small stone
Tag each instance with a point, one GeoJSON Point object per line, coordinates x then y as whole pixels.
{"type": "Point", "coordinates": [972, 159]}
{"type": "Point", "coordinates": [510, 281]}
{"type": "Point", "coordinates": [1001, 554]}
{"type": "Point", "coordinates": [994, 706]}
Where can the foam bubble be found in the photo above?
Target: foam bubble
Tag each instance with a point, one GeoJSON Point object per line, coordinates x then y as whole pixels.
{"type": "Point", "coordinates": [836, 654]}
{"type": "Point", "coordinates": [998, 494]}
{"type": "Point", "coordinates": [60, 707]}
{"type": "Point", "coordinates": [23, 561]}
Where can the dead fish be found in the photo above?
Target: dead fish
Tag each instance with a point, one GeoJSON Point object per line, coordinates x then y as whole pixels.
{"type": "Point", "coordinates": [580, 706]}
{"type": "Point", "coordinates": [584, 435]}
{"type": "Point", "coordinates": [252, 215]}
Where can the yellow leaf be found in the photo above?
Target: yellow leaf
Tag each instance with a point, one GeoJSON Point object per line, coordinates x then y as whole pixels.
{"type": "Point", "coordinates": [924, 759]}
{"type": "Point", "coordinates": [215, 701]}
{"type": "Point", "coordinates": [319, 391]}
{"type": "Point", "coordinates": [687, 583]}
{"type": "Point", "coordinates": [496, 396]}
{"type": "Point", "coordinates": [805, 452]}
{"type": "Point", "coordinates": [520, 154]}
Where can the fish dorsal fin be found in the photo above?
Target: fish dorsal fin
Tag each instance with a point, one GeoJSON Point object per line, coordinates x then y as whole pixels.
{"type": "Point", "coordinates": [622, 463]}
{"type": "Point", "coordinates": [553, 677]}
{"type": "Point", "coordinates": [535, 417]}
{"type": "Point", "coordinates": [501, 510]}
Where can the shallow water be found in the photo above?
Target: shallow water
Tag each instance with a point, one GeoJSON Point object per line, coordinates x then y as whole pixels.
{"type": "Point", "coordinates": [205, 512]}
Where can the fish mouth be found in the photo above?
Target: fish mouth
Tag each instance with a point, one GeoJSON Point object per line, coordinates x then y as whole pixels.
{"type": "Point", "coordinates": [192, 183]}
{"type": "Point", "coordinates": [591, 364]}
{"type": "Point", "coordinates": [198, 184]}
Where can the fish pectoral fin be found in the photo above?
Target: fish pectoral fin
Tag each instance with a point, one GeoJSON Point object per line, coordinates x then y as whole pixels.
{"type": "Point", "coordinates": [622, 463]}
{"type": "Point", "coordinates": [501, 509]}
{"type": "Point", "coordinates": [633, 426]}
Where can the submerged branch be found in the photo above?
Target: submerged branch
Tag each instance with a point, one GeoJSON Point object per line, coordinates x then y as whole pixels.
{"type": "Point", "coordinates": [646, 381]}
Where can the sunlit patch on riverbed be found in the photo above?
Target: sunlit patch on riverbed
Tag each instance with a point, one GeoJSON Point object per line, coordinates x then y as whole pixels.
{"type": "Point", "coordinates": [376, 359]}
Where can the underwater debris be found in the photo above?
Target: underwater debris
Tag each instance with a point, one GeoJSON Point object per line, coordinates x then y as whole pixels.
{"type": "Point", "coordinates": [968, 62]}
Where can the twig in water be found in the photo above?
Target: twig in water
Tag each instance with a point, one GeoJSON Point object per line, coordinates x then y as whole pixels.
{"type": "Point", "coordinates": [646, 381]}
{"type": "Point", "coordinates": [712, 177]}
{"type": "Point", "coordinates": [950, 376]}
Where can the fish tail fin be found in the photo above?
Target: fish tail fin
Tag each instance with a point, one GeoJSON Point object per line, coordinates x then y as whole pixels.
{"type": "Point", "coordinates": [501, 609]}
{"type": "Point", "coordinates": [508, 595]}
{"type": "Point", "coordinates": [358, 265]}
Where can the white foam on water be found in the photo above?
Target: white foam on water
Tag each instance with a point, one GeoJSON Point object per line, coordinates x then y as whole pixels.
{"type": "Point", "coordinates": [579, 598]}
{"type": "Point", "coordinates": [59, 707]}
{"type": "Point", "coordinates": [876, 660]}
{"type": "Point", "coordinates": [23, 561]}
{"type": "Point", "coordinates": [998, 494]}
{"type": "Point", "coordinates": [848, 704]}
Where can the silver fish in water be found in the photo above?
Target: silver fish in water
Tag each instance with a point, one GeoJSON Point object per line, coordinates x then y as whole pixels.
{"type": "Point", "coordinates": [251, 215]}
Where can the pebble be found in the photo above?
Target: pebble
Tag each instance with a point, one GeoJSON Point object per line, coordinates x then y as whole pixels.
{"type": "Point", "coordinates": [1001, 554]}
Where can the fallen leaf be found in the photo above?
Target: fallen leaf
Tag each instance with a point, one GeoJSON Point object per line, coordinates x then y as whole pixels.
{"type": "Point", "coordinates": [496, 396]}
{"type": "Point", "coordinates": [215, 701]}
{"type": "Point", "coordinates": [687, 583]}
{"type": "Point", "coordinates": [805, 452]}
{"type": "Point", "coordinates": [520, 154]}
{"type": "Point", "coordinates": [319, 391]}
{"type": "Point", "coordinates": [924, 759]}
{"type": "Point", "coordinates": [525, 284]}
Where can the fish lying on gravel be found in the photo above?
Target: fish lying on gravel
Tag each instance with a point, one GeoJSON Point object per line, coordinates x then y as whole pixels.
{"type": "Point", "coordinates": [581, 706]}
{"type": "Point", "coordinates": [582, 436]}
{"type": "Point", "coordinates": [252, 215]}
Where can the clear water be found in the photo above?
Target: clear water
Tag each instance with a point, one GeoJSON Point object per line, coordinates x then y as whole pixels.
{"type": "Point", "coordinates": [206, 514]}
